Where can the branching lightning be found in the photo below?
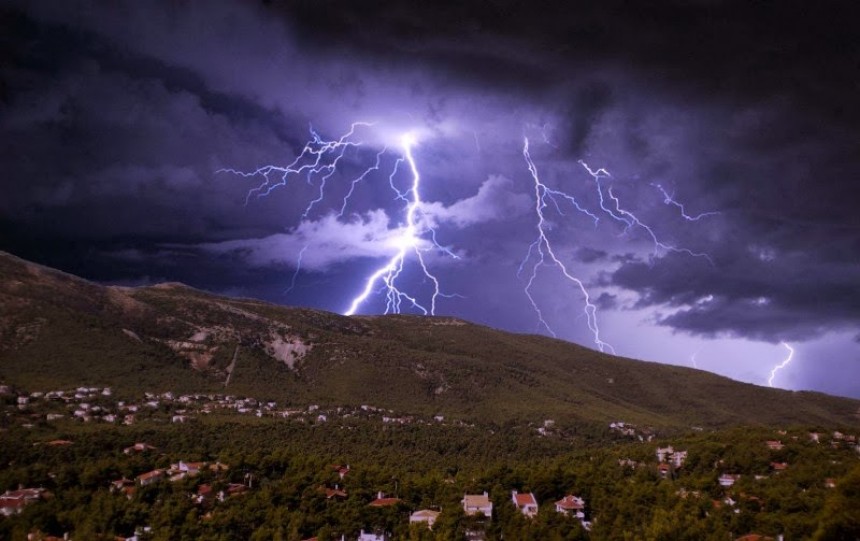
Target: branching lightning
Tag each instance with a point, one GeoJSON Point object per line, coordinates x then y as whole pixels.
{"type": "Point", "coordinates": [670, 200]}
{"type": "Point", "coordinates": [408, 242]}
{"type": "Point", "coordinates": [542, 247]}
{"type": "Point", "coordinates": [781, 365]}
{"type": "Point", "coordinates": [541, 252]}
{"type": "Point", "coordinates": [318, 162]}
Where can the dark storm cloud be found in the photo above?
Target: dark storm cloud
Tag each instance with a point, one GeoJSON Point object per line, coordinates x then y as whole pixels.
{"type": "Point", "coordinates": [762, 296]}
{"type": "Point", "coordinates": [115, 116]}
{"type": "Point", "coordinates": [590, 255]}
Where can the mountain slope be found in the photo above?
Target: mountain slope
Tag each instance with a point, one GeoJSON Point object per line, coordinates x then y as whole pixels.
{"type": "Point", "coordinates": [59, 330]}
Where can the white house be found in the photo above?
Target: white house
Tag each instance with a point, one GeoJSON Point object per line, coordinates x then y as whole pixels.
{"type": "Point", "coordinates": [571, 505]}
{"type": "Point", "coordinates": [474, 504]}
{"type": "Point", "coordinates": [728, 479]}
{"type": "Point", "coordinates": [372, 536]}
{"type": "Point", "coordinates": [427, 516]}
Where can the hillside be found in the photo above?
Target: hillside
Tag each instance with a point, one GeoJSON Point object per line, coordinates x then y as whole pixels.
{"type": "Point", "coordinates": [57, 330]}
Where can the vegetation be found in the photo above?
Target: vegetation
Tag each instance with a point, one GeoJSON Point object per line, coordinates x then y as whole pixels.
{"type": "Point", "coordinates": [287, 466]}
{"type": "Point", "coordinates": [59, 331]}
{"type": "Point", "coordinates": [421, 409]}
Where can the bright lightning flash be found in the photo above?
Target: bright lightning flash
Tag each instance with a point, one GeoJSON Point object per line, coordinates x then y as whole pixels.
{"type": "Point", "coordinates": [318, 162]}
{"type": "Point", "coordinates": [407, 242]}
{"type": "Point", "coordinates": [781, 365]}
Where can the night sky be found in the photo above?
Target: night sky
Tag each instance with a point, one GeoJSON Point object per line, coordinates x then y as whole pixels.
{"type": "Point", "coordinates": [725, 228]}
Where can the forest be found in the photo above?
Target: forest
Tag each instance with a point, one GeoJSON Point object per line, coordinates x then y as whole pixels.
{"type": "Point", "coordinates": [249, 477]}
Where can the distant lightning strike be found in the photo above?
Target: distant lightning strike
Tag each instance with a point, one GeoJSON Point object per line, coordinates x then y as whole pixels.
{"type": "Point", "coordinates": [541, 252]}
{"type": "Point", "coordinates": [318, 162]}
{"type": "Point", "coordinates": [781, 365]}
{"type": "Point", "coordinates": [542, 247]}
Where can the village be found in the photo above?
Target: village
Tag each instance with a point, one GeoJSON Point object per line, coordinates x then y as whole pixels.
{"type": "Point", "coordinates": [210, 484]}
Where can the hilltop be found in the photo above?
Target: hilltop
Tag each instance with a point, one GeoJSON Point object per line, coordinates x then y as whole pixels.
{"type": "Point", "coordinates": [57, 330]}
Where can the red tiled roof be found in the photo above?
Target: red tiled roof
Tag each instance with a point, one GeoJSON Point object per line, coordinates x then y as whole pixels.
{"type": "Point", "coordinates": [570, 503]}
{"type": "Point", "coordinates": [384, 502]}
{"type": "Point", "coordinates": [58, 442]}
{"type": "Point", "coordinates": [525, 499]}
{"type": "Point", "coordinates": [334, 492]}
{"type": "Point", "coordinates": [12, 503]}
{"type": "Point", "coordinates": [150, 475]}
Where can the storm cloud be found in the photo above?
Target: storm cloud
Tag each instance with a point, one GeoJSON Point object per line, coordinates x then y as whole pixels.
{"type": "Point", "coordinates": [116, 119]}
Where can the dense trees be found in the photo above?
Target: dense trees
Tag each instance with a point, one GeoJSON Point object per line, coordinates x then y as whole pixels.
{"type": "Point", "coordinates": [288, 466]}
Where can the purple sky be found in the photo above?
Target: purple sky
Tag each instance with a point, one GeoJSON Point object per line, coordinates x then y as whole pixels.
{"type": "Point", "coordinates": [116, 116]}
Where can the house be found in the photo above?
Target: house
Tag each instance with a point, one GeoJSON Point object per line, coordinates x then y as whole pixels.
{"type": "Point", "coordinates": [58, 443]}
{"type": "Point", "coordinates": [335, 492]}
{"type": "Point", "coordinates": [678, 458]}
{"type": "Point", "coordinates": [138, 448]}
{"type": "Point", "coordinates": [119, 484]}
{"type": "Point", "coordinates": [571, 505]}
{"type": "Point", "coordinates": [475, 504]}
{"type": "Point", "coordinates": [150, 477]}
{"type": "Point", "coordinates": [427, 516]}
{"type": "Point", "coordinates": [779, 466]}
{"type": "Point", "coordinates": [204, 493]}
{"type": "Point", "coordinates": [728, 479]}
{"type": "Point", "coordinates": [13, 502]}
{"type": "Point", "coordinates": [663, 453]}
{"type": "Point", "coordinates": [189, 468]}
{"type": "Point", "coordinates": [774, 445]}
{"type": "Point", "coordinates": [664, 470]}
{"type": "Point", "coordinates": [341, 470]}
{"type": "Point", "coordinates": [372, 536]}
{"type": "Point", "coordinates": [235, 489]}
{"type": "Point", "coordinates": [627, 463]}
{"type": "Point", "coordinates": [526, 503]}
{"type": "Point", "coordinates": [382, 501]}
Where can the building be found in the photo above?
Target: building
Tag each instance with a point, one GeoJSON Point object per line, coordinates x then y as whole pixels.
{"type": "Point", "coordinates": [427, 516]}
{"type": "Point", "coordinates": [774, 445]}
{"type": "Point", "coordinates": [478, 504]}
{"type": "Point", "coordinates": [526, 503]}
{"type": "Point", "coordinates": [150, 477]}
{"type": "Point", "coordinates": [728, 479]}
{"type": "Point", "coordinates": [13, 502]}
{"type": "Point", "coordinates": [372, 536]}
{"type": "Point", "coordinates": [571, 505]}
{"type": "Point", "coordinates": [382, 501]}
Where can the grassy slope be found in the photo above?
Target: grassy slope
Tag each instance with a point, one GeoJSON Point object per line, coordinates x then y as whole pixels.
{"type": "Point", "coordinates": [59, 331]}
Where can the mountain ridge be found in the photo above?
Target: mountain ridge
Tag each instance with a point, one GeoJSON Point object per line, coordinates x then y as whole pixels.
{"type": "Point", "coordinates": [58, 329]}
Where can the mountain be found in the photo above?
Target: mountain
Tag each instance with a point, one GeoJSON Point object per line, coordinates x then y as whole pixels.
{"type": "Point", "coordinates": [60, 331]}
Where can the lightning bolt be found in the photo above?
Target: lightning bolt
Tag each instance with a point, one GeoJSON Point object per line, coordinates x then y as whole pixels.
{"type": "Point", "coordinates": [541, 252]}
{"type": "Point", "coordinates": [542, 247]}
{"type": "Point", "coordinates": [318, 158]}
{"type": "Point", "coordinates": [781, 365]}
{"type": "Point", "coordinates": [670, 200]}
{"type": "Point", "coordinates": [318, 163]}
{"type": "Point", "coordinates": [631, 220]}
{"type": "Point", "coordinates": [298, 268]}
{"type": "Point", "coordinates": [408, 242]}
